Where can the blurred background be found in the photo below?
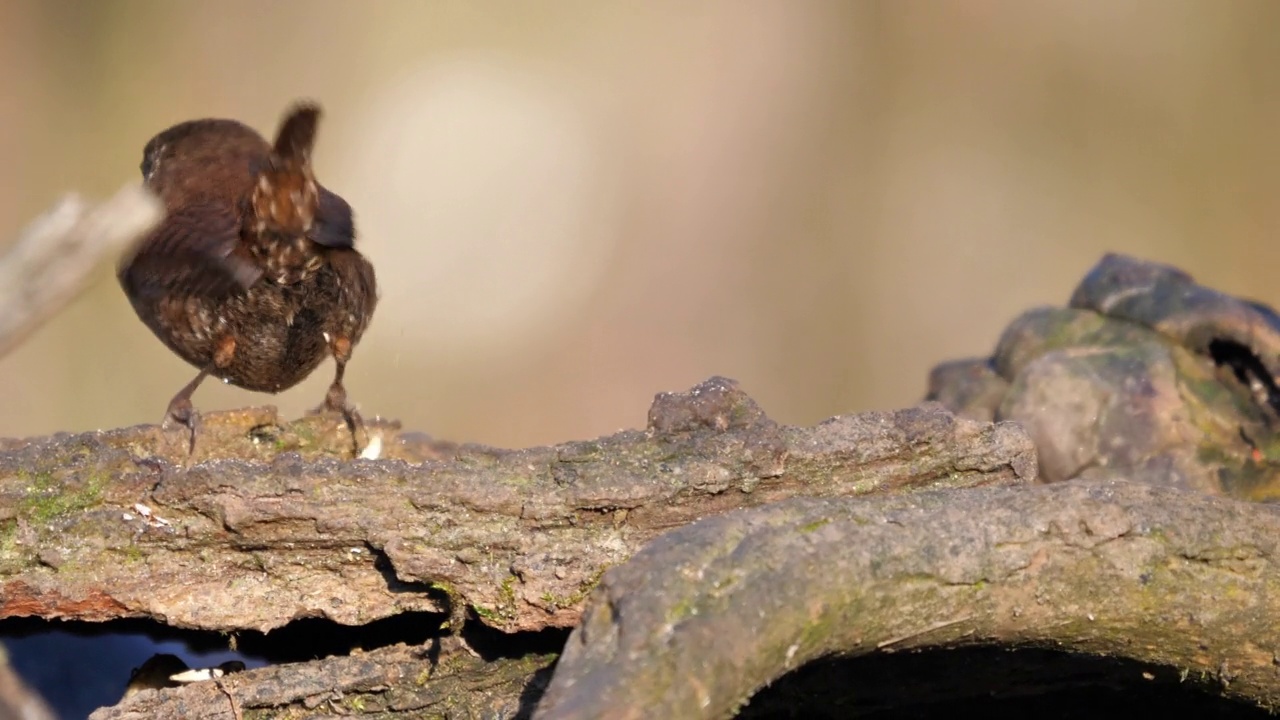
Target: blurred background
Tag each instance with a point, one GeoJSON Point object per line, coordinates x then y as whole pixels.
{"type": "Point", "coordinates": [573, 205]}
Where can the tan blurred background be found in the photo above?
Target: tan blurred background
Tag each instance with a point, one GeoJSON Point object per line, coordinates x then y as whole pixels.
{"type": "Point", "coordinates": [574, 205]}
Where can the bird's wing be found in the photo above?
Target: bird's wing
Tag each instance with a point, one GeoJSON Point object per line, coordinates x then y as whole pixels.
{"type": "Point", "coordinates": [195, 252]}
{"type": "Point", "coordinates": [335, 225]}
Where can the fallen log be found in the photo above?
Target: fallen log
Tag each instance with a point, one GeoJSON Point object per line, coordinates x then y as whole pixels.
{"type": "Point", "coordinates": [101, 526]}
{"type": "Point", "coordinates": [270, 523]}
{"type": "Point", "coordinates": [708, 614]}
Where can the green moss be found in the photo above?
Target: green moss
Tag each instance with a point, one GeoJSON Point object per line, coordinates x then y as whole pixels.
{"type": "Point", "coordinates": [810, 527]}
{"type": "Point", "coordinates": [681, 610]}
{"type": "Point", "coordinates": [506, 609]}
{"type": "Point", "coordinates": [450, 594]}
{"type": "Point", "coordinates": [509, 590]}
{"type": "Point", "coordinates": [9, 539]}
{"type": "Point", "coordinates": [516, 480]}
{"type": "Point", "coordinates": [47, 499]}
{"type": "Point", "coordinates": [305, 433]}
{"type": "Point", "coordinates": [534, 661]}
{"type": "Point", "coordinates": [584, 588]}
{"type": "Point", "coordinates": [486, 613]}
{"type": "Point", "coordinates": [133, 554]}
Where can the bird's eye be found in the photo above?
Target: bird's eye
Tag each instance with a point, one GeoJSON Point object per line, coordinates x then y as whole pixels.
{"type": "Point", "coordinates": [146, 167]}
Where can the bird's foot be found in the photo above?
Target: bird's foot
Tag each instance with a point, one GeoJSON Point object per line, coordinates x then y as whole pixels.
{"type": "Point", "coordinates": [181, 413]}
{"type": "Point", "coordinates": [335, 403]}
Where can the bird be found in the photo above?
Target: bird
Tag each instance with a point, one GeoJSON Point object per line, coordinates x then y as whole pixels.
{"type": "Point", "coordinates": [252, 276]}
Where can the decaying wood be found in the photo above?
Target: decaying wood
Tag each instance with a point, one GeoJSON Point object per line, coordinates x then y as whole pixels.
{"type": "Point", "coordinates": [269, 525]}
{"type": "Point", "coordinates": [1147, 375]}
{"type": "Point", "coordinates": [707, 614]}
{"type": "Point", "coordinates": [396, 681]}
{"type": "Point", "coordinates": [718, 549]}
{"type": "Point", "coordinates": [99, 526]}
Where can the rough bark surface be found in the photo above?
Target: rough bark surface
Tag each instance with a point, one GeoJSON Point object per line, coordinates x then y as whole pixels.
{"type": "Point", "coordinates": [706, 615]}
{"type": "Point", "coordinates": [395, 681]}
{"type": "Point", "coordinates": [1146, 375]}
{"type": "Point", "coordinates": [720, 550]}
{"type": "Point", "coordinates": [519, 537]}
{"type": "Point", "coordinates": [269, 523]}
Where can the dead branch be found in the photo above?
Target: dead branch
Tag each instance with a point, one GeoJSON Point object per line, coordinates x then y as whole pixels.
{"type": "Point", "coordinates": [17, 701]}
{"type": "Point", "coordinates": [51, 261]}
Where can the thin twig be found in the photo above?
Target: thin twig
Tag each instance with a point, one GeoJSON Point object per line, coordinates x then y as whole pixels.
{"type": "Point", "coordinates": [235, 706]}
{"type": "Point", "coordinates": [51, 261]}
{"type": "Point", "coordinates": [921, 633]}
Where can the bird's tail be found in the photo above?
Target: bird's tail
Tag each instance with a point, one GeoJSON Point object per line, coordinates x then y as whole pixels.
{"type": "Point", "coordinates": [286, 197]}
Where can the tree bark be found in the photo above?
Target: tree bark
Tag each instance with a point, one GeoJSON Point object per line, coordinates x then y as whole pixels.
{"type": "Point", "coordinates": [706, 615]}
{"type": "Point", "coordinates": [268, 523]}
{"type": "Point", "coordinates": [517, 537]}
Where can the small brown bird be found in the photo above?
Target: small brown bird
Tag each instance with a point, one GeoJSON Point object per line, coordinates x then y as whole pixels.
{"type": "Point", "coordinates": [253, 276]}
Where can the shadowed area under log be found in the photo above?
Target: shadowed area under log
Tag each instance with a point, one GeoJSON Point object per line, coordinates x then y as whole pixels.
{"type": "Point", "coordinates": [994, 683]}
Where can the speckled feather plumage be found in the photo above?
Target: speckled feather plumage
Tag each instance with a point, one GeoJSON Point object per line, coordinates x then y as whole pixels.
{"type": "Point", "coordinates": [254, 255]}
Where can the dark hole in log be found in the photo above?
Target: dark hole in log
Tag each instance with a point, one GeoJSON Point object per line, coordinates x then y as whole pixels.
{"type": "Point", "coordinates": [315, 638]}
{"type": "Point", "coordinates": [384, 566]}
{"type": "Point", "coordinates": [1249, 370]}
{"type": "Point", "coordinates": [80, 666]}
{"type": "Point", "coordinates": [491, 644]}
{"type": "Point", "coordinates": [990, 683]}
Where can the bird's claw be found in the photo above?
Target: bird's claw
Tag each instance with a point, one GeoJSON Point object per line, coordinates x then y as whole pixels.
{"type": "Point", "coordinates": [181, 413]}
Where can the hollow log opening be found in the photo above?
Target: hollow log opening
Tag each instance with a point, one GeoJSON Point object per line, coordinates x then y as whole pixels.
{"type": "Point", "coordinates": [95, 660]}
{"type": "Point", "coordinates": [991, 682]}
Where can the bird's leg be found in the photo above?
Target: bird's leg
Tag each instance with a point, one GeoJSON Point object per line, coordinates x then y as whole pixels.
{"type": "Point", "coordinates": [181, 412]}
{"type": "Point", "coordinates": [335, 401]}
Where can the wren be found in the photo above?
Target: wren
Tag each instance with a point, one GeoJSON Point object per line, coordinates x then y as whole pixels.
{"type": "Point", "coordinates": [252, 276]}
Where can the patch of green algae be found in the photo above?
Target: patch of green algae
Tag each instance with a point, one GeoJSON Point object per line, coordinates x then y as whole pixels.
{"type": "Point", "coordinates": [506, 609]}
{"type": "Point", "coordinates": [46, 499]}
{"type": "Point", "coordinates": [564, 601]}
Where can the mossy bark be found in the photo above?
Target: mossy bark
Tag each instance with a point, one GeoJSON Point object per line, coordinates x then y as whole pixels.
{"type": "Point", "coordinates": [708, 614]}
{"type": "Point", "coordinates": [269, 522]}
